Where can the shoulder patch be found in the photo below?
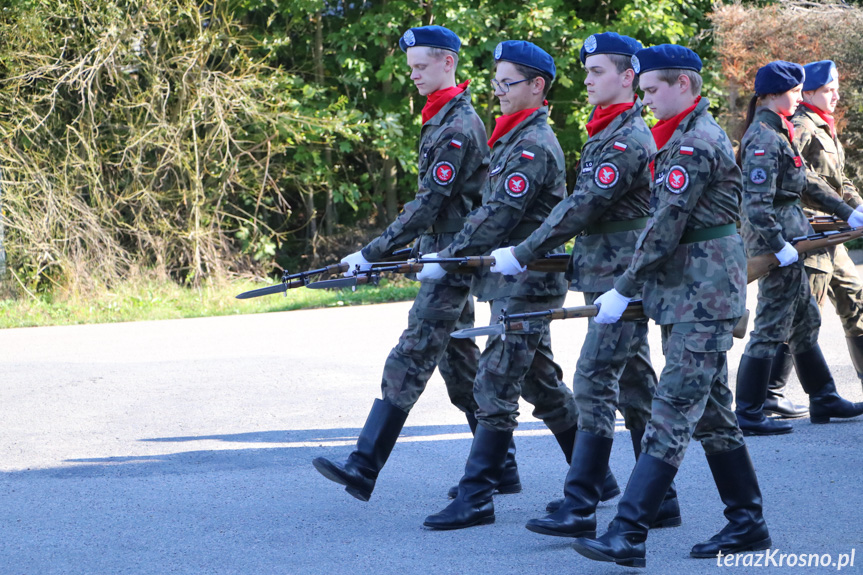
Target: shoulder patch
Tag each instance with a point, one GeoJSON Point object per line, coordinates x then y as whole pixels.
{"type": "Point", "coordinates": [798, 161]}
{"type": "Point", "coordinates": [443, 173]}
{"type": "Point", "coordinates": [620, 146]}
{"type": "Point", "coordinates": [527, 155]}
{"type": "Point", "coordinates": [517, 184]}
{"type": "Point", "coordinates": [687, 150]}
{"type": "Point", "coordinates": [606, 175]}
{"type": "Point", "coordinates": [455, 143]}
{"type": "Point", "coordinates": [677, 179]}
{"type": "Point", "coordinates": [758, 153]}
{"type": "Point", "coordinates": [758, 176]}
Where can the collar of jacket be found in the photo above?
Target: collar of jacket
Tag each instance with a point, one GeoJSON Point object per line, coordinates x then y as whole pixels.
{"type": "Point", "coordinates": [612, 127]}
{"type": "Point", "coordinates": [689, 121]}
{"type": "Point", "coordinates": [772, 119]}
{"type": "Point", "coordinates": [437, 119]}
{"type": "Point", "coordinates": [540, 115]}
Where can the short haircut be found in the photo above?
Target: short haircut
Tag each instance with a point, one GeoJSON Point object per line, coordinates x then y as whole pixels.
{"type": "Point", "coordinates": [670, 76]}
{"type": "Point", "coordinates": [531, 73]}
{"type": "Point", "coordinates": [439, 53]}
{"type": "Point", "coordinates": [624, 63]}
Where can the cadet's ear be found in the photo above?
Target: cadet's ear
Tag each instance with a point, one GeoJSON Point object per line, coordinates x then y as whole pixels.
{"type": "Point", "coordinates": [628, 77]}
{"type": "Point", "coordinates": [685, 83]}
{"type": "Point", "coordinates": [538, 85]}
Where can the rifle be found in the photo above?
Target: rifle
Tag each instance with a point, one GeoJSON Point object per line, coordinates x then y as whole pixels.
{"type": "Point", "coordinates": [760, 266]}
{"type": "Point", "coordinates": [827, 223]}
{"type": "Point", "coordinates": [550, 263]}
{"type": "Point", "coordinates": [520, 322]}
{"type": "Point", "coordinates": [300, 279]}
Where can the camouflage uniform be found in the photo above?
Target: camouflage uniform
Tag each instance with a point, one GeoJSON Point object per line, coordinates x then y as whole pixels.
{"type": "Point", "coordinates": [825, 160]}
{"type": "Point", "coordinates": [453, 164]}
{"type": "Point", "coordinates": [526, 180]}
{"type": "Point", "coordinates": [608, 207]}
{"type": "Point", "coordinates": [774, 181]}
{"type": "Point", "coordinates": [690, 267]}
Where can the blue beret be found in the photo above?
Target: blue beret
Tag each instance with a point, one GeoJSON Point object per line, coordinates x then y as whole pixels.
{"type": "Point", "coordinates": [664, 57]}
{"type": "Point", "coordinates": [818, 74]}
{"type": "Point", "coordinates": [778, 77]}
{"type": "Point", "coordinates": [527, 54]}
{"type": "Point", "coordinates": [609, 43]}
{"type": "Point", "coordinates": [433, 36]}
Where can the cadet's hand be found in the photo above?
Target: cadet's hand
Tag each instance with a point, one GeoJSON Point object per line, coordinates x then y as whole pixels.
{"type": "Point", "coordinates": [611, 305]}
{"type": "Point", "coordinates": [430, 271]}
{"type": "Point", "coordinates": [787, 255]}
{"type": "Point", "coordinates": [353, 260]}
{"type": "Point", "coordinates": [505, 262]}
{"type": "Point", "coordinates": [856, 219]}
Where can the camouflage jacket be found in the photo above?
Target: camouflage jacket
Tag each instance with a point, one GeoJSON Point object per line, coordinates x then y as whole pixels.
{"type": "Point", "coordinates": [453, 164]}
{"type": "Point", "coordinates": [613, 185]}
{"type": "Point", "coordinates": [774, 183]}
{"type": "Point", "coordinates": [824, 157]}
{"type": "Point", "coordinates": [527, 179]}
{"type": "Point", "coordinates": [696, 189]}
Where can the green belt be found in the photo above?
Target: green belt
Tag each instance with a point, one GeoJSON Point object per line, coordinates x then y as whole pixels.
{"type": "Point", "coordinates": [705, 234]}
{"type": "Point", "coordinates": [614, 227]}
{"type": "Point", "coordinates": [447, 226]}
{"type": "Point", "coordinates": [783, 203]}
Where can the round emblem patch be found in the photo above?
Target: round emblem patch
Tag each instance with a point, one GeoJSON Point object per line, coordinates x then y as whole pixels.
{"type": "Point", "coordinates": [758, 175]}
{"type": "Point", "coordinates": [677, 179]}
{"type": "Point", "coordinates": [636, 65]}
{"type": "Point", "coordinates": [606, 175]}
{"type": "Point", "coordinates": [443, 173]}
{"type": "Point", "coordinates": [516, 184]}
{"type": "Point", "coordinates": [498, 51]}
{"type": "Point", "coordinates": [590, 44]}
{"type": "Point", "coordinates": [409, 38]}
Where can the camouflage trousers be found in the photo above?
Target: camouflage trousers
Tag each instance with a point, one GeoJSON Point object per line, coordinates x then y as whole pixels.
{"type": "Point", "coordinates": [613, 372]}
{"type": "Point", "coordinates": [522, 365]}
{"type": "Point", "coordinates": [438, 310]}
{"type": "Point", "coordinates": [692, 397]}
{"type": "Point", "coordinates": [786, 312]}
{"type": "Point", "coordinates": [842, 285]}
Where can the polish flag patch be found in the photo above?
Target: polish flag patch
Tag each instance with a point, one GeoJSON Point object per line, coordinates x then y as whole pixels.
{"type": "Point", "coordinates": [528, 155]}
{"type": "Point", "coordinates": [758, 152]}
{"type": "Point", "coordinates": [620, 146]}
{"type": "Point", "coordinates": [687, 150]}
{"type": "Point", "coordinates": [455, 143]}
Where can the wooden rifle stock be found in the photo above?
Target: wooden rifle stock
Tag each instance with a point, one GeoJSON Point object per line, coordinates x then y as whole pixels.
{"type": "Point", "coordinates": [759, 266]}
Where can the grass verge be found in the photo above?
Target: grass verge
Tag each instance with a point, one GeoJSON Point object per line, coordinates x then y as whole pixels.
{"type": "Point", "coordinates": [152, 300]}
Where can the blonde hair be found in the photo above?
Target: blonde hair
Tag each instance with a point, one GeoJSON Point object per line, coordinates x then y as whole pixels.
{"type": "Point", "coordinates": [670, 76]}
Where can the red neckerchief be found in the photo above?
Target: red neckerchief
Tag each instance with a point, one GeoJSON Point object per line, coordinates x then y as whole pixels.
{"type": "Point", "coordinates": [824, 116]}
{"type": "Point", "coordinates": [789, 126]}
{"type": "Point", "coordinates": [603, 117]}
{"type": "Point", "coordinates": [437, 100]}
{"type": "Point", "coordinates": [505, 124]}
{"type": "Point", "coordinates": [664, 129]}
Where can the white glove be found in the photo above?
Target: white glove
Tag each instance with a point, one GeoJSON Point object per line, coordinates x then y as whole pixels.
{"type": "Point", "coordinates": [505, 262]}
{"type": "Point", "coordinates": [859, 208]}
{"type": "Point", "coordinates": [788, 255]}
{"type": "Point", "coordinates": [430, 271]}
{"type": "Point", "coordinates": [856, 219]}
{"type": "Point", "coordinates": [611, 306]}
{"type": "Point", "coordinates": [353, 260]}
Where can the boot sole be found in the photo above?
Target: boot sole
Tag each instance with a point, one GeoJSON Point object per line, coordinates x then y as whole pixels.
{"type": "Point", "coordinates": [782, 415]}
{"type": "Point", "coordinates": [325, 468]}
{"type": "Point", "coordinates": [819, 419]}
{"type": "Point", "coordinates": [757, 546]}
{"type": "Point", "coordinates": [553, 533]}
{"type": "Point", "coordinates": [591, 553]}
{"type": "Point", "coordinates": [749, 433]}
{"type": "Point", "coordinates": [451, 526]}
{"type": "Point", "coordinates": [670, 522]}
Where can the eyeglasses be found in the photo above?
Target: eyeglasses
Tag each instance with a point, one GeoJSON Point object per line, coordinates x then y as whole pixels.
{"type": "Point", "coordinates": [504, 87]}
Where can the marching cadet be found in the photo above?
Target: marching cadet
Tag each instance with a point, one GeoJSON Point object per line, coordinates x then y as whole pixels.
{"type": "Point", "coordinates": [609, 207]}
{"type": "Point", "coordinates": [690, 268]}
{"type": "Point", "coordinates": [815, 136]}
{"type": "Point", "coordinates": [774, 180]}
{"type": "Point", "coordinates": [453, 163]}
{"type": "Point", "coordinates": [526, 180]}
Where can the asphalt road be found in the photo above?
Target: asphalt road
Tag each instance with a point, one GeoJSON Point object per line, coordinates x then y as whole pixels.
{"type": "Point", "coordinates": [186, 446]}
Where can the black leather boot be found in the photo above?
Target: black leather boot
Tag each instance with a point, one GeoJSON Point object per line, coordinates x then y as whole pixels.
{"type": "Point", "coordinates": [855, 348]}
{"type": "Point", "coordinates": [473, 505]}
{"type": "Point", "coordinates": [669, 512]}
{"type": "Point", "coordinates": [776, 403]}
{"type": "Point", "coordinates": [752, 377]}
{"type": "Point", "coordinates": [566, 440]}
{"type": "Point", "coordinates": [738, 488]}
{"type": "Point", "coordinates": [576, 516]}
{"type": "Point", "coordinates": [374, 445]}
{"type": "Point", "coordinates": [623, 543]}
{"type": "Point", "coordinates": [824, 401]}
{"type": "Point", "coordinates": [510, 482]}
